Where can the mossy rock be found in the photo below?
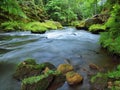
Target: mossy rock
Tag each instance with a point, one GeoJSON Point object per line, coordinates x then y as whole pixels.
{"type": "Point", "coordinates": [85, 24]}
{"type": "Point", "coordinates": [48, 81]}
{"type": "Point", "coordinates": [81, 25]}
{"type": "Point", "coordinates": [58, 81]}
{"type": "Point", "coordinates": [34, 26]}
{"type": "Point", "coordinates": [64, 68]}
{"type": "Point", "coordinates": [92, 21]}
{"type": "Point", "coordinates": [73, 78]}
{"type": "Point", "coordinates": [29, 68]}
{"type": "Point", "coordinates": [37, 82]}
{"type": "Point", "coordinates": [97, 28]}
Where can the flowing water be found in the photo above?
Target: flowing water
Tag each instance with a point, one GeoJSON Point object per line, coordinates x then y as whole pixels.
{"type": "Point", "coordinates": [79, 48]}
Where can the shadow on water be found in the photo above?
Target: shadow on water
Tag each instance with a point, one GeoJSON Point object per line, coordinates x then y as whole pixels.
{"type": "Point", "coordinates": [79, 48]}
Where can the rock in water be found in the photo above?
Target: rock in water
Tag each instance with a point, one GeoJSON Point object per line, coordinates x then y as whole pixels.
{"type": "Point", "coordinates": [73, 78]}
{"type": "Point", "coordinates": [64, 68]}
{"type": "Point", "coordinates": [94, 66]}
{"type": "Point", "coordinates": [29, 68]}
{"type": "Point", "coordinates": [48, 81]}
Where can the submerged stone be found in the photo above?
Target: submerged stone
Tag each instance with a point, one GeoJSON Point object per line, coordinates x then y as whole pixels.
{"type": "Point", "coordinates": [64, 68]}
{"type": "Point", "coordinates": [73, 78]}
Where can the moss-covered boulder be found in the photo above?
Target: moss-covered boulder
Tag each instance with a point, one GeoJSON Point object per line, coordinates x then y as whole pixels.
{"type": "Point", "coordinates": [64, 68]}
{"type": "Point", "coordinates": [92, 21]}
{"type": "Point", "coordinates": [34, 26]}
{"type": "Point", "coordinates": [97, 28]}
{"type": "Point", "coordinates": [37, 82]}
{"type": "Point", "coordinates": [48, 81]}
{"type": "Point", "coordinates": [29, 68]}
{"type": "Point", "coordinates": [87, 23]}
{"type": "Point", "coordinates": [58, 81]}
{"type": "Point", "coordinates": [73, 78]}
{"type": "Point", "coordinates": [81, 25]}
{"type": "Point", "coordinates": [97, 19]}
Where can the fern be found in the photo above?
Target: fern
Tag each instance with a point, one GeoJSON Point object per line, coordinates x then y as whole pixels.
{"type": "Point", "coordinates": [12, 7]}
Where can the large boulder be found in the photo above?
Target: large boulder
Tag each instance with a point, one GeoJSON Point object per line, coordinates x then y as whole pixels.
{"type": "Point", "coordinates": [48, 81]}
{"type": "Point", "coordinates": [92, 21]}
{"type": "Point", "coordinates": [96, 19]}
{"type": "Point", "coordinates": [73, 78]}
{"type": "Point", "coordinates": [64, 68]}
{"type": "Point", "coordinates": [29, 68]}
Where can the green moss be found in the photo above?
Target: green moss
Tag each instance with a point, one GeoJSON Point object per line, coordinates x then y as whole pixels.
{"type": "Point", "coordinates": [98, 75]}
{"type": "Point", "coordinates": [97, 27]}
{"type": "Point", "coordinates": [81, 24]}
{"type": "Point", "coordinates": [35, 27]}
{"type": "Point", "coordinates": [35, 79]}
{"type": "Point", "coordinates": [75, 23]}
{"type": "Point", "coordinates": [30, 61]}
{"type": "Point", "coordinates": [50, 25]}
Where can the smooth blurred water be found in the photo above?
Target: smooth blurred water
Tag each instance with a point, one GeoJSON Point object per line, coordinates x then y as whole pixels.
{"type": "Point", "coordinates": [79, 47]}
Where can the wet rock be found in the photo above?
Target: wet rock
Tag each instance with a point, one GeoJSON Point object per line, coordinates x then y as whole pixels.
{"type": "Point", "coordinates": [64, 68]}
{"type": "Point", "coordinates": [94, 66]}
{"type": "Point", "coordinates": [48, 81]}
{"type": "Point", "coordinates": [37, 82]}
{"type": "Point", "coordinates": [38, 31]}
{"type": "Point", "coordinates": [29, 68]}
{"type": "Point", "coordinates": [58, 81]}
{"type": "Point", "coordinates": [73, 78]}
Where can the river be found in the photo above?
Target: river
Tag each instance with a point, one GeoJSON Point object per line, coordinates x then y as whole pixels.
{"type": "Point", "coordinates": [80, 48]}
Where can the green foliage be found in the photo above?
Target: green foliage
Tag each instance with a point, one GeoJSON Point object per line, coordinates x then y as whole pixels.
{"type": "Point", "coordinates": [96, 27]}
{"type": "Point", "coordinates": [114, 74]}
{"type": "Point", "coordinates": [92, 7]}
{"type": "Point", "coordinates": [98, 75]}
{"type": "Point", "coordinates": [111, 39]}
{"type": "Point", "coordinates": [61, 11]}
{"type": "Point", "coordinates": [75, 23]}
{"type": "Point", "coordinates": [31, 26]}
{"type": "Point", "coordinates": [12, 7]}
